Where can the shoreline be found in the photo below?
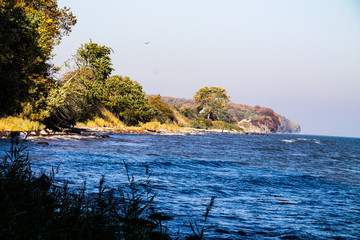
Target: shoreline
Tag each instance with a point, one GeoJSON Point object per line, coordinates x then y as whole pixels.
{"type": "Point", "coordinates": [101, 132]}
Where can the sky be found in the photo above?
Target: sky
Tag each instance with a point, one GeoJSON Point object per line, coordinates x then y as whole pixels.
{"type": "Point", "coordinates": [300, 57]}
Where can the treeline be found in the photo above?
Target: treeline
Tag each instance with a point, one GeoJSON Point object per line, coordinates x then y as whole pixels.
{"type": "Point", "coordinates": [88, 92]}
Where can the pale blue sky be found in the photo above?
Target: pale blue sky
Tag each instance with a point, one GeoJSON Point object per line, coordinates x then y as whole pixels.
{"type": "Point", "coordinates": [299, 57]}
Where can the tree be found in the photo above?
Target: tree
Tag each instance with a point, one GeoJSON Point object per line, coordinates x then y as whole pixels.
{"type": "Point", "coordinates": [29, 30]}
{"type": "Point", "coordinates": [211, 101]}
{"type": "Point", "coordinates": [79, 94]}
{"type": "Point", "coordinates": [163, 112]}
{"type": "Point", "coordinates": [73, 101]}
{"type": "Point", "coordinates": [95, 57]}
{"type": "Point", "coordinates": [126, 98]}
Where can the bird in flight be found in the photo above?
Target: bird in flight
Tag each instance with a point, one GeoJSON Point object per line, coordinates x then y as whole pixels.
{"type": "Point", "coordinates": [147, 42]}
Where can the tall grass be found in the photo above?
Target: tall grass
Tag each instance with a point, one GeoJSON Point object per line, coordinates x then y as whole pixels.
{"type": "Point", "coordinates": [104, 119]}
{"type": "Point", "coordinates": [35, 207]}
{"type": "Point", "coordinates": [154, 126]}
{"type": "Point", "coordinates": [197, 230]}
{"type": "Point", "coordinates": [19, 124]}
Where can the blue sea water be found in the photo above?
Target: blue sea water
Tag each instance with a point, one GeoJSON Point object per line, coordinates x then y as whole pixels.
{"type": "Point", "coordinates": [266, 187]}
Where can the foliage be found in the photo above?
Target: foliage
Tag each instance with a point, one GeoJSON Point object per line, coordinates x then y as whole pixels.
{"type": "Point", "coordinates": [178, 101]}
{"type": "Point", "coordinates": [163, 112]}
{"type": "Point", "coordinates": [95, 57]}
{"type": "Point", "coordinates": [201, 123]}
{"type": "Point", "coordinates": [29, 31]}
{"type": "Point", "coordinates": [182, 120]}
{"type": "Point", "coordinates": [187, 111]}
{"type": "Point", "coordinates": [20, 124]}
{"type": "Point", "coordinates": [76, 100]}
{"type": "Point", "coordinates": [261, 117]}
{"type": "Point", "coordinates": [126, 98]}
{"type": "Point", "coordinates": [225, 126]}
{"type": "Point", "coordinates": [34, 207]}
{"type": "Point", "coordinates": [85, 91]}
{"type": "Point", "coordinates": [211, 101]}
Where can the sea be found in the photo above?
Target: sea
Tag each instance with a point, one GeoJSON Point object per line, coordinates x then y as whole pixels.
{"type": "Point", "coordinates": [265, 186]}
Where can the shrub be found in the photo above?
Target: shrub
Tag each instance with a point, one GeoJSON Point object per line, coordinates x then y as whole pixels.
{"type": "Point", "coordinates": [225, 126]}
{"type": "Point", "coordinates": [126, 98]}
{"type": "Point", "coordinates": [163, 112]}
{"type": "Point", "coordinates": [34, 207]}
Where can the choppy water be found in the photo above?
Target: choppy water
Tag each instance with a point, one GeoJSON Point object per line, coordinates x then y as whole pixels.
{"type": "Point", "coordinates": [267, 187]}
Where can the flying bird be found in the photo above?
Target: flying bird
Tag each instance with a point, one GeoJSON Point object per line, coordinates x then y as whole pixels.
{"type": "Point", "coordinates": [147, 42]}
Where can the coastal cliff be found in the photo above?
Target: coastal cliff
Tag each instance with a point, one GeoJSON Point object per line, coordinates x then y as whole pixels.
{"type": "Point", "coordinates": [250, 119]}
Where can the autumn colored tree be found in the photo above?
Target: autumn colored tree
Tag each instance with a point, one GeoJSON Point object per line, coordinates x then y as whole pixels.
{"type": "Point", "coordinates": [211, 101]}
{"type": "Point", "coordinates": [29, 30]}
{"type": "Point", "coordinates": [163, 112]}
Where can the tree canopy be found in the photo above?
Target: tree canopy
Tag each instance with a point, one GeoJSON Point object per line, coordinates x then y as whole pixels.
{"type": "Point", "coordinates": [29, 30]}
{"type": "Point", "coordinates": [211, 101]}
{"type": "Point", "coordinates": [126, 98]}
{"type": "Point", "coordinates": [95, 57]}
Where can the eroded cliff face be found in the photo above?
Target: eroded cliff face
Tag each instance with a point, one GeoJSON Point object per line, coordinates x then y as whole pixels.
{"type": "Point", "coordinates": [250, 119]}
{"type": "Point", "coordinates": [288, 126]}
{"type": "Point", "coordinates": [250, 127]}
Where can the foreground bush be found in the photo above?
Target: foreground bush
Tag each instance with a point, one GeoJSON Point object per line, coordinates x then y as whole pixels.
{"type": "Point", "coordinates": [35, 207]}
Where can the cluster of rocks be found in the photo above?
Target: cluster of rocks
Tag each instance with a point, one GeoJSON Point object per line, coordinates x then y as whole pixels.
{"type": "Point", "coordinates": [23, 135]}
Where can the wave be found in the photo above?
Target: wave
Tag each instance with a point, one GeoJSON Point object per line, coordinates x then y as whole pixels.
{"type": "Point", "coordinates": [317, 141]}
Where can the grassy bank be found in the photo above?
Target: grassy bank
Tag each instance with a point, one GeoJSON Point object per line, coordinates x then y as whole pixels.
{"type": "Point", "coordinates": [19, 124]}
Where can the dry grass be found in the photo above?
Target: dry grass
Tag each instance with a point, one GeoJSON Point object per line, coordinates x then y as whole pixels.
{"type": "Point", "coordinates": [106, 119]}
{"type": "Point", "coordinates": [153, 126]}
{"type": "Point", "coordinates": [182, 120]}
{"type": "Point", "coordinates": [20, 124]}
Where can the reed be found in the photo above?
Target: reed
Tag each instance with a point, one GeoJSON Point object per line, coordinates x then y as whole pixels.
{"type": "Point", "coordinates": [197, 230]}
{"type": "Point", "coordinates": [34, 206]}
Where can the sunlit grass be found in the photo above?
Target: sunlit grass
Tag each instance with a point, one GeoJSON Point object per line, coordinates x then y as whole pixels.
{"type": "Point", "coordinates": [181, 119]}
{"type": "Point", "coordinates": [225, 126]}
{"type": "Point", "coordinates": [20, 124]}
{"type": "Point", "coordinates": [106, 119]}
{"type": "Point", "coordinates": [154, 126]}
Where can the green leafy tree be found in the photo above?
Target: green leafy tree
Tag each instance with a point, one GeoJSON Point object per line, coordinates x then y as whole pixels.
{"type": "Point", "coordinates": [95, 57]}
{"type": "Point", "coordinates": [211, 101]}
{"type": "Point", "coordinates": [73, 101]}
{"type": "Point", "coordinates": [126, 98]}
{"type": "Point", "coordinates": [29, 30]}
{"type": "Point", "coordinates": [78, 96]}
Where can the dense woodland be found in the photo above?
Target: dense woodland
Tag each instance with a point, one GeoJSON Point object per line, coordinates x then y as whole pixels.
{"type": "Point", "coordinates": [88, 94]}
